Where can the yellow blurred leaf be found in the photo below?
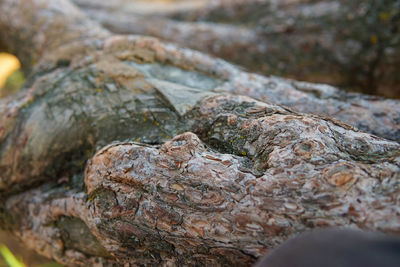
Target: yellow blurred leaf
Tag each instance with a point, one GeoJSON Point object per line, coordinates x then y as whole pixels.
{"type": "Point", "coordinates": [374, 39]}
{"type": "Point", "coordinates": [384, 16]}
{"type": "Point", "coordinates": [11, 260]}
{"type": "Point", "coordinates": [8, 64]}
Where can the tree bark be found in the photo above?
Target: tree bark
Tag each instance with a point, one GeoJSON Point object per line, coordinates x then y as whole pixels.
{"type": "Point", "coordinates": [205, 168]}
{"type": "Point", "coordinates": [353, 44]}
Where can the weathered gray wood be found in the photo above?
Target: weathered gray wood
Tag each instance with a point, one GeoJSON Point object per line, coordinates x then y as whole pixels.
{"type": "Point", "coordinates": [353, 44]}
{"type": "Point", "coordinates": [215, 180]}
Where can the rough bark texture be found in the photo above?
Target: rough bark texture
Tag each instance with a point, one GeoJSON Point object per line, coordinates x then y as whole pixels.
{"type": "Point", "coordinates": [354, 44]}
{"type": "Point", "coordinates": [241, 175]}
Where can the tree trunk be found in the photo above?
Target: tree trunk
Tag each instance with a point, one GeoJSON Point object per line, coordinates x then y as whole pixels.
{"type": "Point", "coordinates": [197, 164]}
{"type": "Point", "coordinates": [353, 44]}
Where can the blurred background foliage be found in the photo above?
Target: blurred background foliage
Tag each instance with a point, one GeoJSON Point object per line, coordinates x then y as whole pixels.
{"type": "Point", "coordinates": [13, 254]}
{"type": "Point", "coordinates": [11, 76]}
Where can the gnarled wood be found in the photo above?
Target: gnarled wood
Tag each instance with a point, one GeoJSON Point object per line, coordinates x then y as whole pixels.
{"type": "Point", "coordinates": [197, 174]}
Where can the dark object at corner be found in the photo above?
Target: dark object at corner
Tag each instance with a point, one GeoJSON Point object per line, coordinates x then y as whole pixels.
{"type": "Point", "coordinates": [335, 248]}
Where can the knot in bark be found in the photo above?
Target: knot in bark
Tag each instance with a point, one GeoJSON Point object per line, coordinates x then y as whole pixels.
{"type": "Point", "coordinates": [183, 147]}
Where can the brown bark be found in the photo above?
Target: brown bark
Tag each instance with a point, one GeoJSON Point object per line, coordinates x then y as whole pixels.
{"type": "Point", "coordinates": [36, 31]}
{"type": "Point", "coordinates": [239, 177]}
{"type": "Point", "coordinates": [353, 44]}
